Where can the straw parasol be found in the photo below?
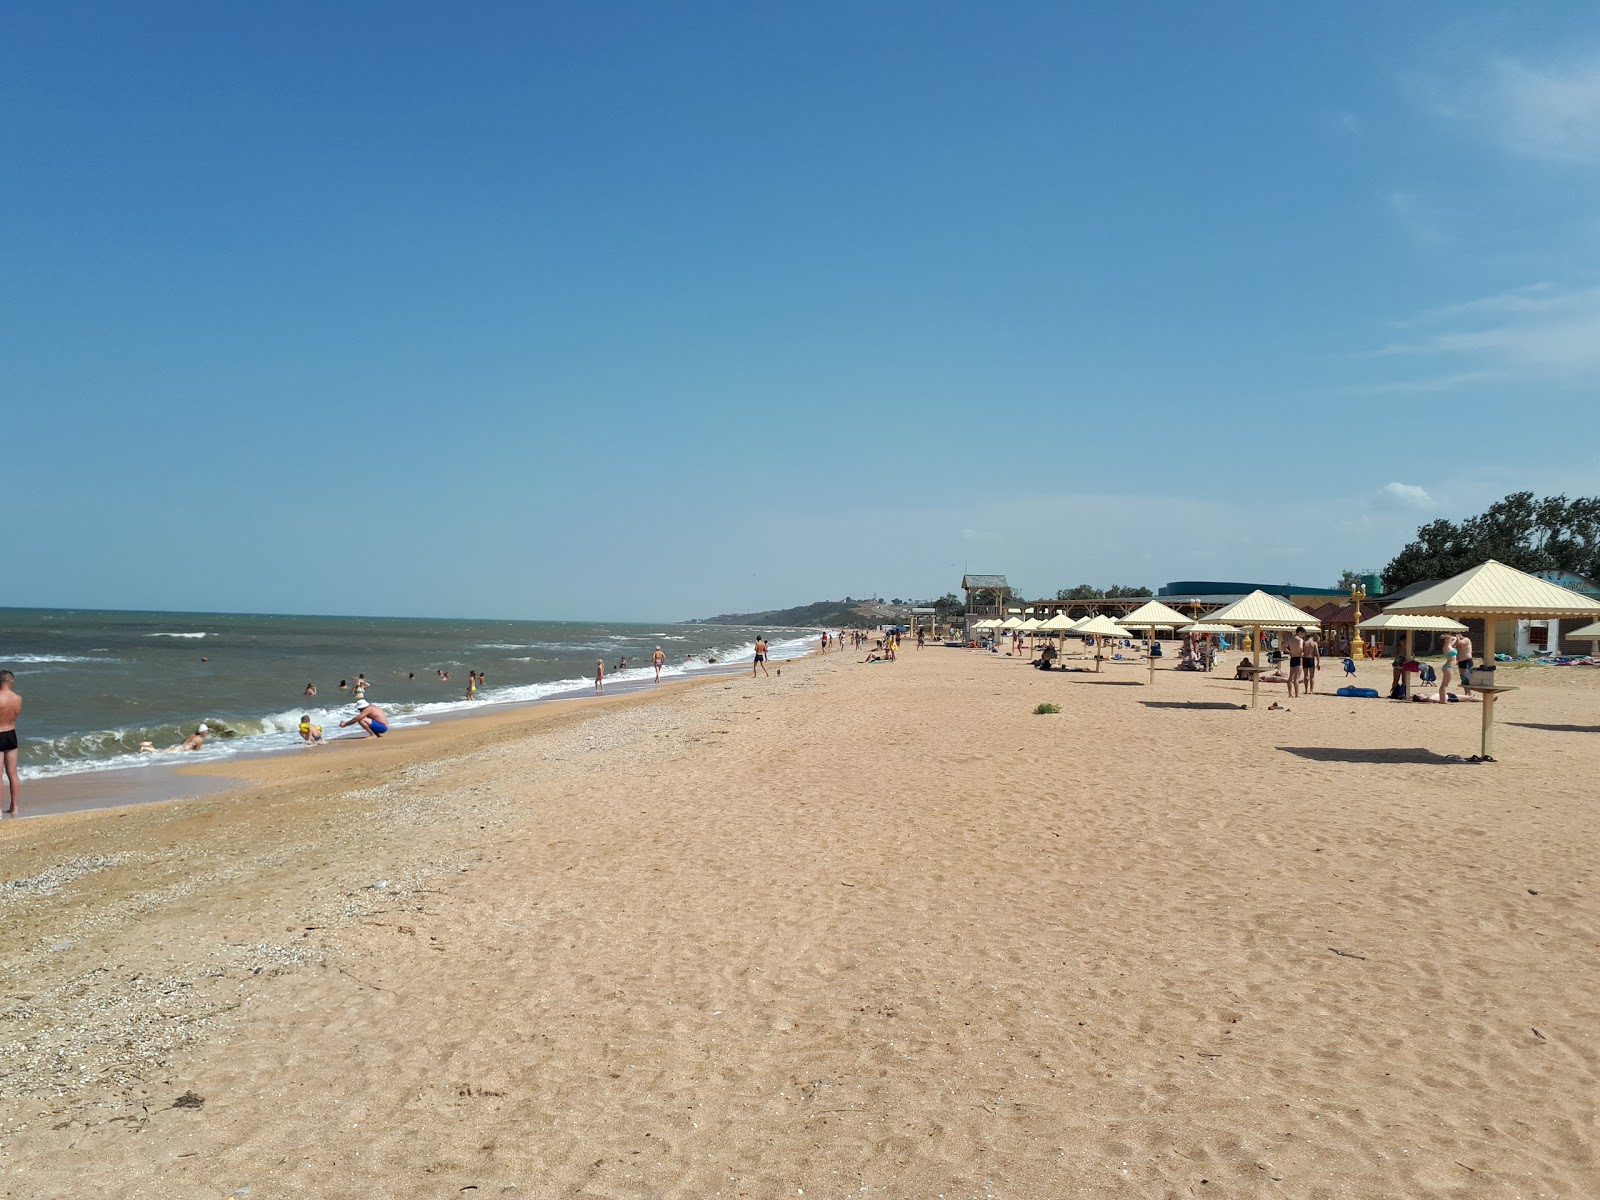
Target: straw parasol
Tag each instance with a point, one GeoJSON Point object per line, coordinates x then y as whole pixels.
{"type": "Point", "coordinates": [1151, 616]}
{"type": "Point", "coordinates": [1097, 628]}
{"type": "Point", "coordinates": [1410, 624]}
{"type": "Point", "coordinates": [1592, 632]}
{"type": "Point", "coordinates": [1255, 612]}
{"type": "Point", "coordinates": [1059, 623]}
{"type": "Point", "coordinates": [1493, 592]}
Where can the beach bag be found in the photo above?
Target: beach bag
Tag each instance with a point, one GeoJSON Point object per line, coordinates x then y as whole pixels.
{"type": "Point", "coordinates": [1429, 675]}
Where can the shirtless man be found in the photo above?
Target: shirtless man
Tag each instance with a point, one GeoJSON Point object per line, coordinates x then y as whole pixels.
{"type": "Point", "coordinates": [1294, 647]}
{"type": "Point", "coordinates": [1464, 658]}
{"type": "Point", "coordinates": [371, 718]}
{"type": "Point", "coordinates": [1309, 662]}
{"type": "Point", "coordinates": [658, 660]}
{"type": "Point", "coordinates": [10, 710]}
{"type": "Point", "coordinates": [761, 658]}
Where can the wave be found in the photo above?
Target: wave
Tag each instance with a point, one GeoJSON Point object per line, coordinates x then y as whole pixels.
{"type": "Point", "coordinates": [232, 735]}
{"type": "Point", "coordinates": [59, 658]}
{"type": "Point", "coordinates": [182, 635]}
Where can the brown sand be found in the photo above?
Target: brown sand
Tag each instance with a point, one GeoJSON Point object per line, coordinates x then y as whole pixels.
{"type": "Point", "coordinates": [855, 931]}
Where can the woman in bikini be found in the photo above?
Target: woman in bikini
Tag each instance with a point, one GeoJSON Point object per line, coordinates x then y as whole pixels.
{"type": "Point", "coordinates": [1449, 664]}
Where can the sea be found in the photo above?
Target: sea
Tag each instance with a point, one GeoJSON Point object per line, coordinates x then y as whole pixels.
{"type": "Point", "coordinates": [97, 684]}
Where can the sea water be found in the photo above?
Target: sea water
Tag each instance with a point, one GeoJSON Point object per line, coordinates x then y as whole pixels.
{"type": "Point", "coordinates": [97, 684]}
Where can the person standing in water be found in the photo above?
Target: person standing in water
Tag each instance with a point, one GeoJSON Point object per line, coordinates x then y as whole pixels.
{"type": "Point", "coordinates": [658, 660]}
{"type": "Point", "coordinates": [599, 674]}
{"type": "Point", "coordinates": [472, 685]}
{"type": "Point", "coordinates": [10, 710]}
{"type": "Point", "coordinates": [761, 658]}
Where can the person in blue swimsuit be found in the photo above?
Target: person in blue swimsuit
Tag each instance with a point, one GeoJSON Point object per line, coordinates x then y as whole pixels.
{"type": "Point", "coordinates": [371, 718]}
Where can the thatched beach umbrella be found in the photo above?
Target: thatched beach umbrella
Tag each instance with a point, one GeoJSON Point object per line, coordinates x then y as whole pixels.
{"type": "Point", "coordinates": [1255, 612]}
{"type": "Point", "coordinates": [1151, 616]}
{"type": "Point", "coordinates": [1592, 632]}
{"type": "Point", "coordinates": [1409, 624]}
{"type": "Point", "coordinates": [1494, 592]}
{"type": "Point", "coordinates": [1058, 624]}
{"type": "Point", "coordinates": [1097, 628]}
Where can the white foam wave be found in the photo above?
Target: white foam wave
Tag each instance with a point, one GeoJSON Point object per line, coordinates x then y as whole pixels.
{"type": "Point", "coordinates": [59, 658]}
{"type": "Point", "coordinates": [280, 731]}
{"type": "Point", "coordinates": [182, 635]}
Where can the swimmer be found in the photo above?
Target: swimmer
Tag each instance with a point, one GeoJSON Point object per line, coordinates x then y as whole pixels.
{"type": "Point", "coordinates": [310, 734]}
{"type": "Point", "coordinates": [193, 742]}
{"type": "Point", "coordinates": [311, 689]}
{"type": "Point", "coordinates": [658, 660]}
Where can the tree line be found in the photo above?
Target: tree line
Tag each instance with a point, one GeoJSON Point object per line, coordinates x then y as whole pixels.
{"type": "Point", "coordinates": [1552, 534]}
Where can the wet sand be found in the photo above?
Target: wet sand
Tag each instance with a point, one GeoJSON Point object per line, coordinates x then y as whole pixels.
{"type": "Point", "coordinates": [855, 931]}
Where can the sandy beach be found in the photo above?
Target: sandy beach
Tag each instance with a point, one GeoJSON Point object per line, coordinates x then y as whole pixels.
{"type": "Point", "coordinates": [852, 930]}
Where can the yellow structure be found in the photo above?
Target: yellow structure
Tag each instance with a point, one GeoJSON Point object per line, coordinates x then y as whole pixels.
{"type": "Point", "coordinates": [1358, 593]}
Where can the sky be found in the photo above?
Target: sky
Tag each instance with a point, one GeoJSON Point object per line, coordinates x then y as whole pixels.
{"type": "Point", "coordinates": [641, 311]}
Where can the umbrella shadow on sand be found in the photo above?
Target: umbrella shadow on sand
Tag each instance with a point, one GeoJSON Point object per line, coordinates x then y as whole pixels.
{"type": "Point", "coordinates": [1214, 705]}
{"type": "Point", "coordinates": [1111, 682]}
{"type": "Point", "coordinates": [1388, 755]}
{"type": "Point", "coordinates": [1556, 728]}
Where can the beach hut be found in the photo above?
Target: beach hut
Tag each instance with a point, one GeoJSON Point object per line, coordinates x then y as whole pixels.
{"type": "Point", "coordinates": [1493, 592]}
{"type": "Point", "coordinates": [1592, 632]}
{"type": "Point", "coordinates": [1151, 616]}
{"type": "Point", "coordinates": [1097, 628]}
{"type": "Point", "coordinates": [1255, 612]}
{"type": "Point", "coordinates": [1409, 624]}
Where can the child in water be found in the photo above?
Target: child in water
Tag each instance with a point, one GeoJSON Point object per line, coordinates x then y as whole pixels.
{"type": "Point", "coordinates": [310, 734]}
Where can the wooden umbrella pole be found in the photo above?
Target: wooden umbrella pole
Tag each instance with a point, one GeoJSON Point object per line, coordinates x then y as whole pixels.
{"type": "Point", "coordinates": [1488, 725]}
{"type": "Point", "coordinates": [1255, 676]}
{"type": "Point", "coordinates": [1152, 632]}
{"type": "Point", "coordinates": [1405, 676]}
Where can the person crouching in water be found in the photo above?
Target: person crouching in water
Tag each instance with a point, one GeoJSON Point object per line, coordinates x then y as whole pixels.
{"type": "Point", "coordinates": [310, 734]}
{"type": "Point", "coordinates": [371, 718]}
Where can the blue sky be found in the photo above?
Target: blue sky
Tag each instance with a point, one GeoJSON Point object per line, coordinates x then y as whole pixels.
{"type": "Point", "coordinates": [657, 311]}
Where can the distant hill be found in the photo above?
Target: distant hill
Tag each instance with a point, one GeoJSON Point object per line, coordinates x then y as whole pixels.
{"type": "Point", "coordinates": [831, 614]}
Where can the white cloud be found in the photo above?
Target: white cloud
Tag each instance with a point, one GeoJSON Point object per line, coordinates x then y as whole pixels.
{"type": "Point", "coordinates": [1541, 332]}
{"type": "Point", "coordinates": [1405, 495]}
{"type": "Point", "coordinates": [1548, 110]}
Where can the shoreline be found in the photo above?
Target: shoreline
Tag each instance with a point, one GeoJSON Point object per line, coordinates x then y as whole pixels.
{"type": "Point", "coordinates": [169, 780]}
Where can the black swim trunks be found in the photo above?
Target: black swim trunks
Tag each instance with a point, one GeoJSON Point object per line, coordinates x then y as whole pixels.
{"type": "Point", "coordinates": [8, 740]}
{"type": "Point", "coordinates": [761, 658]}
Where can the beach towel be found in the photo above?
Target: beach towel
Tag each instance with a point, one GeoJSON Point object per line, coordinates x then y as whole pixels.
{"type": "Point", "coordinates": [1359, 693]}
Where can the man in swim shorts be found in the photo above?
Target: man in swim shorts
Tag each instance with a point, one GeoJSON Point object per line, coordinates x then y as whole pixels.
{"type": "Point", "coordinates": [761, 658]}
{"type": "Point", "coordinates": [1295, 645]}
{"type": "Point", "coordinates": [371, 718]}
{"type": "Point", "coordinates": [1464, 657]}
{"type": "Point", "coordinates": [658, 660]}
{"type": "Point", "coordinates": [10, 710]}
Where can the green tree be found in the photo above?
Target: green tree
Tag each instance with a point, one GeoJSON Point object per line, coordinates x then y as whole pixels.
{"type": "Point", "coordinates": [1347, 580]}
{"type": "Point", "coordinates": [1125, 589]}
{"type": "Point", "coordinates": [1082, 592]}
{"type": "Point", "coordinates": [948, 607]}
{"type": "Point", "coordinates": [1554, 533]}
